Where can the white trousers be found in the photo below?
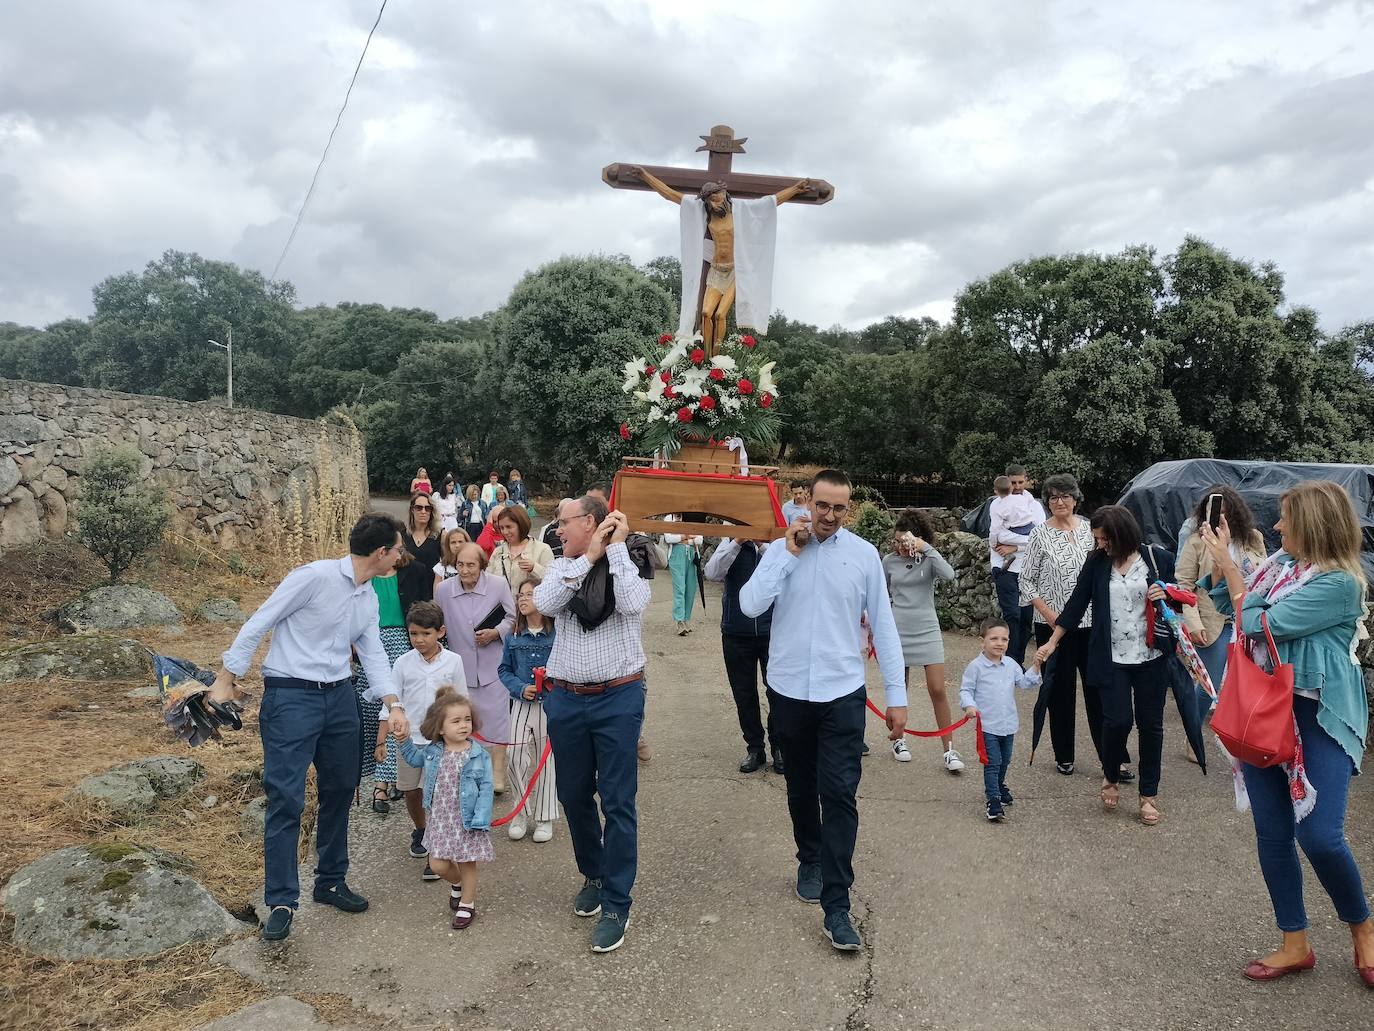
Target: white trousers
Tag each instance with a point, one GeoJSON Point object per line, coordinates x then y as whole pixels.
{"type": "Point", "coordinates": [530, 731]}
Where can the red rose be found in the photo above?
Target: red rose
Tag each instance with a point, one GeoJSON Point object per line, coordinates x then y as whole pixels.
{"type": "Point", "coordinates": [748, 341]}
{"type": "Point", "coordinates": [698, 356]}
{"type": "Point", "coordinates": [684, 415]}
{"type": "Point", "coordinates": [707, 403]}
{"type": "Point", "coordinates": [624, 431]}
{"type": "Point", "coordinates": [666, 376]}
{"type": "Point", "coordinates": [717, 374]}
{"type": "Point", "coordinates": [668, 391]}
{"type": "Point", "coordinates": [650, 370]}
{"type": "Point", "coordinates": [665, 338]}
{"type": "Point", "coordinates": [766, 401]}
{"type": "Point", "coordinates": [745, 387]}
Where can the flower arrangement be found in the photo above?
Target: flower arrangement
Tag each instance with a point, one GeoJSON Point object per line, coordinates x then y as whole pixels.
{"type": "Point", "coordinates": [678, 394]}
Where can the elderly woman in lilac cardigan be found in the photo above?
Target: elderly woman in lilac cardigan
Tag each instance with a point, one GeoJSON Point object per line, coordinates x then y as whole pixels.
{"type": "Point", "coordinates": [471, 599]}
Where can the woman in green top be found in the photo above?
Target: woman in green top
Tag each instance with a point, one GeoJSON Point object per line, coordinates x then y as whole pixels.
{"type": "Point", "coordinates": [378, 756]}
{"type": "Point", "coordinates": [1312, 592]}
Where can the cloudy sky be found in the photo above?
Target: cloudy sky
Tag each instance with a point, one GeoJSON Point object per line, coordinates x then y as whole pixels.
{"type": "Point", "coordinates": [960, 135]}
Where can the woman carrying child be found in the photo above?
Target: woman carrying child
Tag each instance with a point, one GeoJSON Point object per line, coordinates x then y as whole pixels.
{"type": "Point", "coordinates": [527, 649]}
{"type": "Point", "coordinates": [457, 799]}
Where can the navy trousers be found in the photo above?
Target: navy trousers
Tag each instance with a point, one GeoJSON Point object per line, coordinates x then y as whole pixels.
{"type": "Point", "coordinates": [823, 746]}
{"type": "Point", "coordinates": [303, 724]}
{"type": "Point", "coordinates": [1018, 616]}
{"type": "Point", "coordinates": [594, 747]}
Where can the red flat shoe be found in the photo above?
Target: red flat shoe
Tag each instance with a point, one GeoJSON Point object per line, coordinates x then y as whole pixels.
{"type": "Point", "coordinates": [1257, 971]}
{"type": "Point", "coordinates": [1366, 973]}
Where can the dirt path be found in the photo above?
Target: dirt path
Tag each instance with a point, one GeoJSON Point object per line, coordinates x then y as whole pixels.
{"type": "Point", "coordinates": [1062, 917]}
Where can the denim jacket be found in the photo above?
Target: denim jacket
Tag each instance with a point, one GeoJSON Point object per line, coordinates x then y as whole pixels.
{"type": "Point", "coordinates": [523, 653]}
{"type": "Point", "coordinates": [474, 785]}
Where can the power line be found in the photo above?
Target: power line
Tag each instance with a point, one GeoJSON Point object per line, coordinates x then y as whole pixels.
{"type": "Point", "coordinates": [315, 178]}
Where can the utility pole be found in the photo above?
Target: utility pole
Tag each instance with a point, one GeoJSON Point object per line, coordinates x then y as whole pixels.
{"type": "Point", "coordinates": [229, 352]}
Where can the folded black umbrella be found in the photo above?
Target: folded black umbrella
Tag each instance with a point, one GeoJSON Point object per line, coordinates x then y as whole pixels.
{"type": "Point", "coordinates": [1042, 704]}
{"type": "Point", "coordinates": [1185, 697]}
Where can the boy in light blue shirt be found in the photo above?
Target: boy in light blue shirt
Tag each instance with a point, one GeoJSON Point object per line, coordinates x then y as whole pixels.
{"type": "Point", "coordinates": [988, 690]}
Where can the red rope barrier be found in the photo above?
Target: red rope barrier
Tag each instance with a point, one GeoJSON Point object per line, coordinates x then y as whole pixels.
{"type": "Point", "coordinates": [977, 727]}
{"type": "Point", "coordinates": [529, 788]}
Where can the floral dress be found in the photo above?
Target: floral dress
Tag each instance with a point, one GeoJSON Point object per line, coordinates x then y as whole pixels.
{"type": "Point", "coordinates": [445, 836]}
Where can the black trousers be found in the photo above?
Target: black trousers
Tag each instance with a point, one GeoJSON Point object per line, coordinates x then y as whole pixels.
{"type": "Point", "coordinates": [746, 662]}
{"type": "Point", "coordinates": [823, 743]}
{"type": "Point", "coordinates": [1144, 689]}
{"type": "Point", "coordinates": [1070, 660]}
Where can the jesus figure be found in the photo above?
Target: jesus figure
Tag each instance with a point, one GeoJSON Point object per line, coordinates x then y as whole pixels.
{"type": "Point", "coordinates": [746, 262]}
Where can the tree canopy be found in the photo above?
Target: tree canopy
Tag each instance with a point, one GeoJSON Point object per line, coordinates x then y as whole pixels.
{"type": "Point", "coordinates": [1089, 363]}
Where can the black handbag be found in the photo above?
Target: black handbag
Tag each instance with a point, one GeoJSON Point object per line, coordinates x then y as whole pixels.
{"type": "Point", "coordinates": [492, 619]}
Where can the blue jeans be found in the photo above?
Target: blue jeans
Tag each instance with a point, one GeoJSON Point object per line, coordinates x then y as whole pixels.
{"type": "Point", "coordinates": [1213, 656]}
{"type": "Point", "coordinates": [301, 725]}
{"type": "Point", "coordinates": [1018, 616]}
{"type": "Point", "coordinates": [999, 761]}
{"type": "Point", "coordinates": [594, 740]}
{"type": "Point", "coordinates": [822, 744]}
{"type": "Point", "coordinates": [1321, 834]}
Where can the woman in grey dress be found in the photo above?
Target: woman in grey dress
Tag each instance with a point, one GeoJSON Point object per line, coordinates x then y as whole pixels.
{"type": "Point", "coordinates": [912, 571]}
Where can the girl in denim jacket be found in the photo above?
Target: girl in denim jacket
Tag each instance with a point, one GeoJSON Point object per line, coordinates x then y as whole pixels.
{"type": "Point", "coordinates": [526, 650]}
{"type": "Point", "coordinates": [457, 798]}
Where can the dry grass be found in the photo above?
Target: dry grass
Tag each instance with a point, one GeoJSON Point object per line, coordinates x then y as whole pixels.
{"type": "Point", "coordinates": [98, 727]}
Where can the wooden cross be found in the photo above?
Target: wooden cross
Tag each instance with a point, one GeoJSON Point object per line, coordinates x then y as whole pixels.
{"type": "Point", "coordinates": [721, 147]}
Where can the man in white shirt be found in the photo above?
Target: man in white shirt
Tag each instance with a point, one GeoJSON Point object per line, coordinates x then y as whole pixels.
{"type": "Point", "coordinates": [317, 616]}
{"type": "Point", "coordinates": [489, 488]}
{"type": "Point", "coordinates": [820, 580]}
{"type": "Point", "coordinates": [1005, 543]}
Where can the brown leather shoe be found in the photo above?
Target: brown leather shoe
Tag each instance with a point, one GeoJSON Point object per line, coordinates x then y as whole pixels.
{"type": "Point", "coordinates": [642, 750]}
{"type": "Point", "coordinates": [1257, 971]}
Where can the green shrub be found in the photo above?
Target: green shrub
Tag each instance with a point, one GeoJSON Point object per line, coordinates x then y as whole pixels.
{"type": "Point", "coordinates": [120, 514]}
{"type": "Point", "coordinates": [873, 523]}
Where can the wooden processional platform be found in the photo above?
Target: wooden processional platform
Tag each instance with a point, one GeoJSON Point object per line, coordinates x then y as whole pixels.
{"type": "Point", "coordinates": [699, 480]}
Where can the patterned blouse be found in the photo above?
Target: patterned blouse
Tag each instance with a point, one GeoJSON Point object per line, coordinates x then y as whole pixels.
{"type": "Point", "coordinates": [1127, 605]}
{"type": "Point", "coordinates": [1051, 566]}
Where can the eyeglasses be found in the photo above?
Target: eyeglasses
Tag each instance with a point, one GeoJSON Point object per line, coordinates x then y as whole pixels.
{"type": "Point", "coordinates": [1060, 497]}
{"type": "Point", "coordinates": [565, 522]}
{"type": "Point", "coordinates": [825, 508]}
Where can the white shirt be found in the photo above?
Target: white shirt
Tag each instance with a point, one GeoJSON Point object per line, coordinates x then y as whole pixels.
{"type": "Point", "coordinates": [817, 648]}
{"type": "Point", "coordinates": [489, 492]}
{"type": "Point", "coordinates": [1127, 604]}
{"type": "Point", "coordinates": [417, 681]}
{"type": "Point", "coordinates": [1012, 510]}
{"type": "Point", "coordinates": [447, 508]}
{"type": "Point", "coordinates": [317, 615]}
{"type": "Point", "coordinates": [613, 649]}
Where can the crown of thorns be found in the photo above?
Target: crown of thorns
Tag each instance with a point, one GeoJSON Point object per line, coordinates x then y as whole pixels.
{"type": "Point", "coordinates": [708, 189]}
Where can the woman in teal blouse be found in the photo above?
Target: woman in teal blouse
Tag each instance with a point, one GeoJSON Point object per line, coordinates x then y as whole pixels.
{"type": "Point", "coordinates": [1313, 594]}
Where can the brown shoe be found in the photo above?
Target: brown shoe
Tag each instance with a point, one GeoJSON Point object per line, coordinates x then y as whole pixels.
{"type": "Point", "coordinates": [463, 915]}
{"type": "Point", "coordinates": [643, 751]}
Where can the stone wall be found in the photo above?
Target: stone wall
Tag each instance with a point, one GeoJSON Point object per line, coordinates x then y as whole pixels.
{"type": "Point", "coordinates": [233, 474]}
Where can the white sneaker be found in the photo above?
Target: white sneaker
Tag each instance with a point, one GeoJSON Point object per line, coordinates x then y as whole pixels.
{"type": "Point", "coordinates": [543, 830]}
{"type": "Point", "coordinates": [900, 752]}
{"type": "Point", "coordinates": [517, 828]}
{"type": "Point", "coordinates": [953, 763]}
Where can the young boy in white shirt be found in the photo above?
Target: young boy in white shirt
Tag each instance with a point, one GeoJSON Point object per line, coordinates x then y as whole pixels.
{"type": "Point", "coordinates": [416, 678]}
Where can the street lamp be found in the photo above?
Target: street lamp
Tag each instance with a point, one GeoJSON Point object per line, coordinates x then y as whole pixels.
{"type": "Point", "coordinates": [229, 350]}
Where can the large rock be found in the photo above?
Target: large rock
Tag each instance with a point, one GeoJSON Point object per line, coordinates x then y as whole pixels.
{"type": "Point", "coordinates": [254, 819]}
{"type": "Point", "coordinates": [279, 1013]}
{"type": "Point", "coordinates": [19, 519]}
{"type": "Point", "coordinates": [115, 901]}
{"type": "Point", "coordinates": [77, 658]}
{"type": "Point", "coordinates": [222, 610]}
{"type": "Point", "coordinates": [9, 474]}
{"type": "Point", "coordinates": [964, 602]}
{"type": "Point", "coordinates": [117, 607]}
{"type": "Point", "coordinates": [127, 792]}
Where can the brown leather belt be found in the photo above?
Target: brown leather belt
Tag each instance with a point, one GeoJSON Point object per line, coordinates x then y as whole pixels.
{"type": "Point", "coordinates": [600, 688]}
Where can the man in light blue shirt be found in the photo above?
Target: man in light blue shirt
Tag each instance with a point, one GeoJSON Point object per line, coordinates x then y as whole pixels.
{"type": "Point", "coordinates": [318, 615]}
{"type": "Point", "coordinates": [796, 508]}
{"type": "Point", "coordinates": [820, 584]}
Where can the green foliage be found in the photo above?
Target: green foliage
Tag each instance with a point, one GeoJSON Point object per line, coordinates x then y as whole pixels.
{"type": "Point", "coordinates": [120, 513]}
{"type": "Point", "coordinates": [873, 523]}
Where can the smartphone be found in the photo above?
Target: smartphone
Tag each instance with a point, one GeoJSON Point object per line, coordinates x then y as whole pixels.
{"type": "Point", "coordinates": [1213, 510]}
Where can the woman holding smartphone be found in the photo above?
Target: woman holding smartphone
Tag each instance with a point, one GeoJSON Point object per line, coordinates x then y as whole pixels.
{"type": "Point", "coordinates": [1210, 629]}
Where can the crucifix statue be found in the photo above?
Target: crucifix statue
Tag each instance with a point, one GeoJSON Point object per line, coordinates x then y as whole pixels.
{"type": "Point", "coordinates": [729, 224]}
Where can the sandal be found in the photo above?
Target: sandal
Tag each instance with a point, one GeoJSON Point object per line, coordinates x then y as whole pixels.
{"type": "Point", "coordinates": [1149, 812]}
{"type": "Point", "coordinates": [463, 915]}
{"type": "Point", "coordinates": [1111, 797]}
{"type": "Point", "coordinates": [380, 805]}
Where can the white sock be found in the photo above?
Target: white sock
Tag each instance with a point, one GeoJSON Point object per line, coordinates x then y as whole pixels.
{"type": "Point", "coordinates": [455, 890]}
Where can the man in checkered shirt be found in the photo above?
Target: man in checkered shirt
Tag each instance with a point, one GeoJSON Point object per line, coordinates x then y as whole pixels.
{"type": "Point", "coordinates": [595, 709]}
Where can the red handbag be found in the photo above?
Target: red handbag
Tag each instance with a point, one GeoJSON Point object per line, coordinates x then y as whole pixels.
{"type": "Point", "coordinates": [1254, 713]}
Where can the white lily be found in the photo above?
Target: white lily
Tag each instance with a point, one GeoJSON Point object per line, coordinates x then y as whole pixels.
{"type": "Point", "coordinates": [641, 395]}
{"type": "Point", "coordinates": [693, 383]}
{"type": "Point", "coordinates": [656, 413]}
{"type": "Point", "coordinates": [634, 372]}
{"type": "Point", "coordinates": [655, 390]}
{"type": "Point", "coordinates": [731, 403]}
{"type": "Point", "coordinates": [723, 362]}
{"type": "Point", "coordinates": [675, 354]}
{"type": "Point", "coordinates": [766, 382]}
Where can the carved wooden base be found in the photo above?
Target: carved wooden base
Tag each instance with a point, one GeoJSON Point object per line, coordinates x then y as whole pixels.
{"type": "Point", "coordinates": [700, 481]}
